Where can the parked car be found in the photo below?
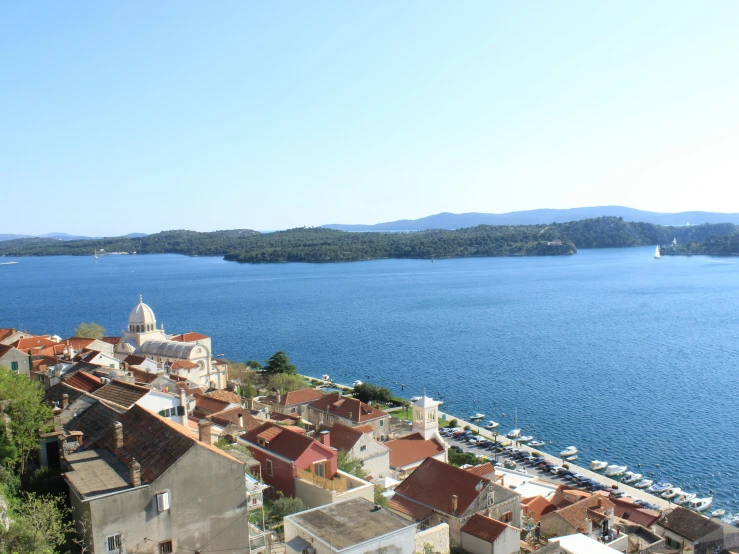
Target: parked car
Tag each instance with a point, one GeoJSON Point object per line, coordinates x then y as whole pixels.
{"type": "Point", "coordinates": [456, 448]}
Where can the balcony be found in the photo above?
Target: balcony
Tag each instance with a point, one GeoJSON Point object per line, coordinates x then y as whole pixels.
{"type": "Point", "coordinates": [316, 491]}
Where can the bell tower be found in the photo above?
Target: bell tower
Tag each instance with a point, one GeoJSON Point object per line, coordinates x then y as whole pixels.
{"type": "Point", "coordinates": [426, 417]}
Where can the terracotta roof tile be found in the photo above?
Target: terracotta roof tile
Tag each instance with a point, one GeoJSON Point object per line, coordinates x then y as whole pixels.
{"type": "Point", "coordinates": [536, 507]}
{"type": "Point", "coordinates": [231, 416]}
{"type": "Point", "coordinates": [93, 422]}
{"type": "Point", "coordinates": [561, 496]}
{"type": "Point", "coordinates": [189, 337]}
{"type": "Point", "coordinates": [482, 470]}
{"type": "Point", "coordinates": [410, 449]}
{"type": "Point", "coordinates": [183, 364]}
{"type": "Point", "coordinates": [84, 381]}
{"type": "Point", "coordinates": [5, 333]}
{"type": "Point", "coordinates": [121, 393]}
{"type": "Point", "coordinates": [111, 340]}
{"type": "Point", "coordinates": [419, 486]}
{"type": "Point", "coordinates": [484, 528]}
{"type": "Point", "coordinates": [209, 405]}
{"type": "Point", "coordinates": [29, 342]}
{"type": "Point", "coordinates": [284, 442]}
{"type": "Point", "coordinates": [226, 395]}
{"type": "Point", "coordinates": [79, 343]}
{"type": "Point", "coordinates": [591, 507]}
{"type": "Point", "coordinates": [344, 437]}
{"type": "Point", "coordinates": [409, 507]}
{"type": "Point", "coordinates": [141, 376]}
{"type": "Point", "coordinates": [347, 408]}
{"type": "Point", "coordinates": [644, 517]}
{"type": "Point", "coordinates": [367, 428]}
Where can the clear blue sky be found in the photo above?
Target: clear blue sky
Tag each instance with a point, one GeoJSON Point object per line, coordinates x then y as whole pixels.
{"type": "Point", "coordinates": [144, 116]}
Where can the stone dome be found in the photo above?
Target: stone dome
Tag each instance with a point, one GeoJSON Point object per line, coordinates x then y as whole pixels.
{"type": "Point", "coordinates": [141, 319]}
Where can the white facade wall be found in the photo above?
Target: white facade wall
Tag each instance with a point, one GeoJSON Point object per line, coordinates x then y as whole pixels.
{"type": "Point", "coordinates": [399, 542]}
{"type": "Point", "coordinates": [157, 401]}
{"type": "Point", "coordinates": [437, 537]}
{"type": "Point", "coordinates": [375, 456]}
{"type": "Point", "coordinates": [507, 543]}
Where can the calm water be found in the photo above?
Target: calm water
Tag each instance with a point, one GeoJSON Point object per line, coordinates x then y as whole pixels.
{"type": "Point", "coordinates": [632, 360]}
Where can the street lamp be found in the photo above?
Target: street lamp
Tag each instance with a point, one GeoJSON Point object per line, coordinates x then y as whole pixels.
{"type": "Point", "coordinates": [495, 445]}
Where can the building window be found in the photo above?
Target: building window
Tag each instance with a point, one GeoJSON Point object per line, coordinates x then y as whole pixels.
{"type": "Point", "coordinates": [270, 470]}
{"type": "Point", "coordinates": [491, 498]}
{"type": "Point", "coordinates": [163, 501]}
{"type": "Point", "coordinates": [363, 448]}
{"type": "Point", "coordinates": [507, 517]}
{"type": "Point", "coordinates": [165, 547]}
{"type": "Point", "coordinates": [14, 366]}
{"type": "Point", "coordinates": [382, 423]}
{"type": "Point", "coordinates": [318, 469]}
{"type": "Point", "coordinates": [113, 543]}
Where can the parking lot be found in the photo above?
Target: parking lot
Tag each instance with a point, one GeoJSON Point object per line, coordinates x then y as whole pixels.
{"type": "Point", "coordinates": [545, 467]}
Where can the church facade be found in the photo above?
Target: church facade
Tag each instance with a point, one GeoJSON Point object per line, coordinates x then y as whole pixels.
{"type": "Point", "coordinates": [187, 355]}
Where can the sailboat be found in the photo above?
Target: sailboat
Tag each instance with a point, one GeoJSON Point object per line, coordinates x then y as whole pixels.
{"type": "Point", "coordinates": [657, 255]}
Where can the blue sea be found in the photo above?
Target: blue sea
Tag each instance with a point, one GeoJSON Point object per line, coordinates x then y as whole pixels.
{"type": "Point", "coordinates": [633, 360]}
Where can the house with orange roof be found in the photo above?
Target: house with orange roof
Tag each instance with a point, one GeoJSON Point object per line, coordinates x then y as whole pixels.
{"type": "Point", "coordinates": [334, 408]}
{"type": "Point", "coordinates": [9, 335]}
{"type": "Point", "coordinates": [374, 455]}
{"type": "Point", "coordinates": [535, 507]}
{"type": "Point", "coordinates": [131, 481]}
{"type": "Point", "coordinates": [485, 535]}
{"type": "Point", "coordinates": [407, 453]}
{"type": "Point", "coordinates": [583, 516]}
{"type": "Point", "coordinates": [15, 360]}
{"type": "Point", "coordinates": [437, 492]}
{"type": "Point", "coordinates": [294, 402]}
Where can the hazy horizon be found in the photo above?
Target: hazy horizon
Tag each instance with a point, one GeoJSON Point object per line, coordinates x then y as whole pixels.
{"type": "Point", "coordinates": [141, 117]}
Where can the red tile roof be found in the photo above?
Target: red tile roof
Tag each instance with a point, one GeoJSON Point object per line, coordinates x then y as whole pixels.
{"type": "Point", "coordinates": [141, 376]}
{"type": "Point", "coordinates": [536, 507]}
{"type": "Point", "coordinates": [133, 359]}
{"type": "Point", "coordinates": [84, 381]}
{"type": "Point", "coordinates": [561, 500]}
{"type": "Point", "coordinates": [484, 528]}
{"type": "Point", "coordinates": [79, 343]}
{"type": "Point", "coordinates": [410, 449]}
{"type": "Point", "coordinates": [344, 437]}
{"type": "Point", "coordinates": [482, 470]}
{"type": "Point", "coordinates": [367, 428]}
{"type": "Point", "coordinates": [296, 397]}
{"type": "Point", "coordinates": [347, 408]}
{"type": "Point", "coordinates": [33, 342]}
{"type": "Point", "coordinates": [183, 364]}
{"type": "Point", "coordinates": [592, 507]}
{"type": "Point", "coordinates": [644, 517]}
{"type": "Point", "coordinates": [121, 393]}
{"type": "Point", "coordinates": [209, 405]}
{"type": "Point", "coordinates": [419, 486]}
{"type": "Point", "coordinates": [230, 416]}
{"type": "Point", "coordinates": [111, 340]}
{"type": "Point", "coordinates": [189, 337]}
{"type": "Point", "coordinates": [225, 395]}
{"type": "Point", "coordinates": [688, 524]}
{"type": "Point", "coordinates": [5, 333]}
{"type": "Point", "coordinates": [408, 507]}
{"type": "Point", "coordinates": [283, 441]}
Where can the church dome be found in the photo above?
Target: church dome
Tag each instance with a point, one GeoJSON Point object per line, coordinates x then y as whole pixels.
{"type": "Point", "coordinates": [141, 319]}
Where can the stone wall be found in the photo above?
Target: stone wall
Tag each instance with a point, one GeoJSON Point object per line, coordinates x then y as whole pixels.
{"type": "Point", "coordinates": [437, 537]}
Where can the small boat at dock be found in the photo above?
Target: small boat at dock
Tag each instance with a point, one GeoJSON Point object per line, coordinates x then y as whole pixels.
{"type": "Point", "coordinates": [567, 452]}
{"type": "Point", "coordinates": [615, 470]}
{"type": "Point", "coordinates": [684, 498]}
{"type": "Point", "coordinates": [644, 483]}
{"type": "Point", "coordinates": [537, 443]}
{"type": "Point", "coordinates": [597, 465]}
{"type": "Point", "coordinates": [477, 417]}
{"type": "Point", "coordinates": [526, 438]}
{"type": "Point", "coordinates": [660, 487]}
{"type": "Point", "coordinates": [514, 434]}
{"type": "Point", "coordinates": [491, 424]}
{"type": "Point", "coordinates": [415, 398]}
{"type": "Point", "coordinates": [571, 458]}
{"type": "Point", "coordinates": [631, 477]}
{"type": "Point", "coordinates": [671, 493]}
{"type": "Point", "coordinates": [718, 513]}
{"type": "Point", "coordinates": [700, 504]}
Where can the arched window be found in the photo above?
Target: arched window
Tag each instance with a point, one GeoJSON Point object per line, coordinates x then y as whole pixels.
{"type": "Point", "coordinates": [138, 328]}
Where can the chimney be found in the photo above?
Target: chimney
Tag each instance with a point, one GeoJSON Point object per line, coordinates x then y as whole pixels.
{"type": "Point", "coordinates": [135, 468]}
{"type": "Point", "coordinates": [589, 527]}
{"type": "Point", "coordinates": [204, 431]}
{"type": "Point", "coordinates": [65, 401]}
{"type": "Point", "coordinates": [241, 420]}
{"type": "Point", "coordinates": [57, 419]}
{"type": "Point", "coordinates": [454, 503]}
{"type": "Point", "coordinates": [183, 403]}
{"type": "Point", "coordinates": [118, 433]}
{"type": "Point", "coordinates": [326, 438]}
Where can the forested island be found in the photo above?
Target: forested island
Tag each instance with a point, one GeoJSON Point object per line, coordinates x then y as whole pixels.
{"type": "Point", "coordinates": [329, 245]}
{"type": "Point", "coordinates": [726, 245]}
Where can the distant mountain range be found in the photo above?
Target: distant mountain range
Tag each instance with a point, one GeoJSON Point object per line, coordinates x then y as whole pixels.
{"type": "Point", "coordinates": [64, 236]}
{"type": "Point", "coordinates": [448, 220]}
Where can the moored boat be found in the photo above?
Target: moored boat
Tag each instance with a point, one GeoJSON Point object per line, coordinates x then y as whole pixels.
{"type": "Point", "coordinates": [671, 493]}
{"type": "Point", "coordinates": [597, 465]}
{"type": "Point", "coordinates": [415, 398]}
{"type": "Point", "coordinates": [514, 434]}
{"type": "Point", "coordinates": [631, 477]}
{"type": "Point", "coordinates": [567, 452]}
{"type": "Point", "coordinates": [660, 487]}
{"type": "Point", "coordinates": [571, 458]}
{"type": "Point", "coordinates": [477, 417]}
{"type": "Point", "coordinates": [644, 483]}
{"type": "Point", "coordinates": [684, 498]}
{"type": "Point", "coordinates": [537, 443]}
{"type": "Point", "coordinates": [526, 438]}
{"type": "Point", "coordinates": [491, 424]}
{"type": "Point", "coordinates": [615, 470]}
{"type": "Point", "coordinates": [700, 504]}
{"type": "Point", "coordinates": [718, 513]}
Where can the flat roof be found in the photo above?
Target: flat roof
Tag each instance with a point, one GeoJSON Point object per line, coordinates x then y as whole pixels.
{"type": "Point", "coordinates": [96, 472]}
{"type": "Point", "coordinates": [349, 523]}
{"type": "Point", "coordinates": [581, 544]}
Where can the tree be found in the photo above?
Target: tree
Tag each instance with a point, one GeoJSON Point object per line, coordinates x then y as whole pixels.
{"type": "Point", "coordinates": [46, 520]}
{"type": "Point", "coordinates": [279, 363]}
{"type": "Point", "coordinates": [380, 499]}
{"type": "Point", "coordinates": [89, 331]}
{"type": "Point", "coordinates": [255, 365]}
{"type": "Point", "coordinates": [351, 465]}
{"type": "Point", "coordinates": [286, 382]}
{"type": "Point", "coordinates": [285, 506]}
{"type": "Point", "coordinates": [26, 409]}
{"type": "Point", "coordinates": [367, 392]}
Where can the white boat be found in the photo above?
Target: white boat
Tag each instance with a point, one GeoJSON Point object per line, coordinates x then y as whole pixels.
{"type": "Point", "coordinates": [567, 452]}
{"type": "Point", "coordinates": [492, 425]}
{"type": "Point", "coordinates": [325, 377]}
{"type": "Point", "coordinates": [671, 493]}
{"type": "Point", "coordinates": [660, 487]}
{"type": "Point", "coordinates": [597, 465]}
{"type": "Point", "coordinates": [8, 263]}
{"type": "Point", "coordinates": [514, 434]}
{"type": "Point", "coordinates": [735, 520]}
{"type": "Point", "coordinates": [684, 498]}
{"type": "Point", "coordinates": [657, 255]}
{"type": "Point", "coordinates": [526, 438]}
{"type": "Point", "coordinates": [537, 443]}
{"type": "Point", "coordinates": [644, 483]}
{"type": "Point", "coordinates": [357, 383]}
{"type": "Point", "coordinates": [631, 477]}
{"type": "Point", "coordinates": [718, 513]}
{"type": "Point", "coordinates": [571, 458]}
{"type": "Point", "coordinates": [615, 470]}
{"type": "Point", "coordinates": [700, 504]}
{"type": "Point", "coordinates": [415, 398]}
{"type": "Point", "coordinates": [477, 417]}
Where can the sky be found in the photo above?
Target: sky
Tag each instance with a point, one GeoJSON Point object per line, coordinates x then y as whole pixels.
{"type": "Point", "coordinates": [147, 116]}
